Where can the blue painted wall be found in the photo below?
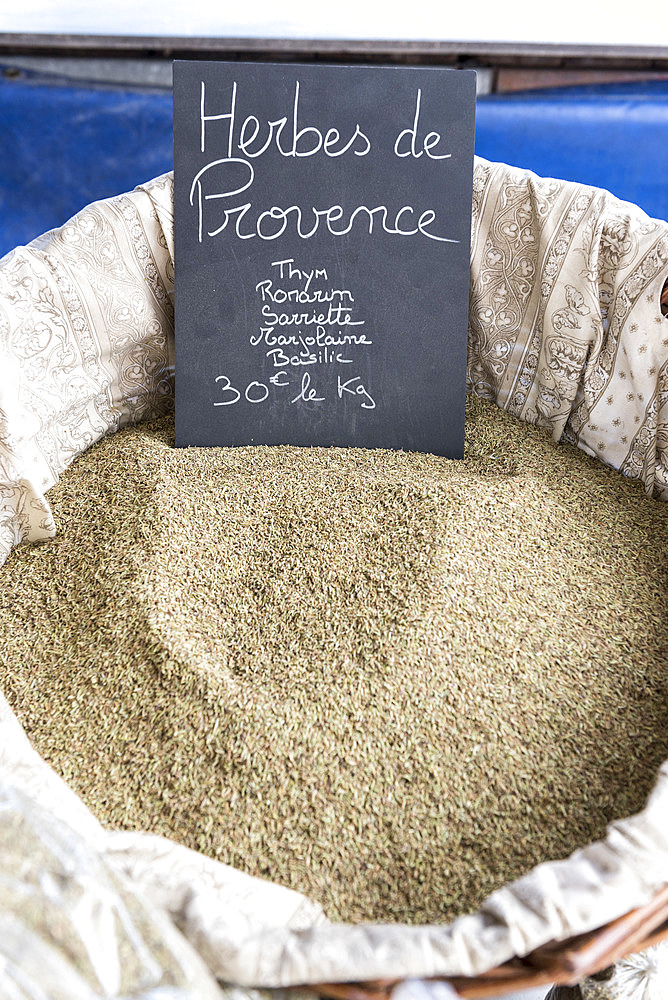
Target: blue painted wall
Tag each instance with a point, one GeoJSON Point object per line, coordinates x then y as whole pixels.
{"type": "Point", "coordinates": [613, 136]}
{"type": "Point", "coordinates": [63, 146]}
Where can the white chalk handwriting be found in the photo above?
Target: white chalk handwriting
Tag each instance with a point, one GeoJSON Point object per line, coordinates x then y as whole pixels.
{"type": "Point", "coordinates": [318, 341]}
{"type": "Point", "coordinates": [227, 177]}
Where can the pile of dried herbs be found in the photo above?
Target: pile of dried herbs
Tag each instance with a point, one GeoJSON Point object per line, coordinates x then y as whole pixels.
{"type": "Point", "coordinates": [389, 680]}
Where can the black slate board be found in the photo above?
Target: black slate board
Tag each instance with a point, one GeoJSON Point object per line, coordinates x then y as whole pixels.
{"type": "Point", "coordinates": [296, 324]}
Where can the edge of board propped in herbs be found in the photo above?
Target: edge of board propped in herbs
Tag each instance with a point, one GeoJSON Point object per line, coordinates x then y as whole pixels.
{"type": "Point", "coordinates": [322, 239]}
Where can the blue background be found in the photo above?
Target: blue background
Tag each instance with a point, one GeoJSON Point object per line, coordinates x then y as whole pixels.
{"type": "Point", "coordinates": [63, 146]}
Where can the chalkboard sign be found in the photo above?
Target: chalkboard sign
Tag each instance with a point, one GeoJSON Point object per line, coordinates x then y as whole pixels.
{"type": "Point", "coordinates": [322, 229]}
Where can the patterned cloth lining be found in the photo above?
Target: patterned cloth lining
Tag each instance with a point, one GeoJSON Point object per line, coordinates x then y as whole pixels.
{"type": "Point", "coordinates": [565, 325]}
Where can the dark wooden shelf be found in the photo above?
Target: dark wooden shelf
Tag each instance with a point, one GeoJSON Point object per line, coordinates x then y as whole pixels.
{"type": "Point", "coordinates": [423, 52]}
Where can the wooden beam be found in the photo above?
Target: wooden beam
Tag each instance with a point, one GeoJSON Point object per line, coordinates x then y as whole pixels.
{"type": "Point", "coordinates": [426, 51]}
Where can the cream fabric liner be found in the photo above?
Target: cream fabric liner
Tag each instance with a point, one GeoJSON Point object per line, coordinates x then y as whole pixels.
{"type": "Point", "coordinates": [565, 329]}
{"type": "Point", "coordinates": [86, 345]}
{"type": "Point", "coordinates": [565, 324]}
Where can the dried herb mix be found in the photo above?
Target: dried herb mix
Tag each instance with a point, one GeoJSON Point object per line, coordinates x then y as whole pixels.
{"type": "Point", "coordinates": [389, 680]}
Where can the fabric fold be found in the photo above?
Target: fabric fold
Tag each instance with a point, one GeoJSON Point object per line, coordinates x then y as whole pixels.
{"type": "Point", "coordinates": [86, 345]}
{"type": "Point", "coordinates": [565, 323]}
